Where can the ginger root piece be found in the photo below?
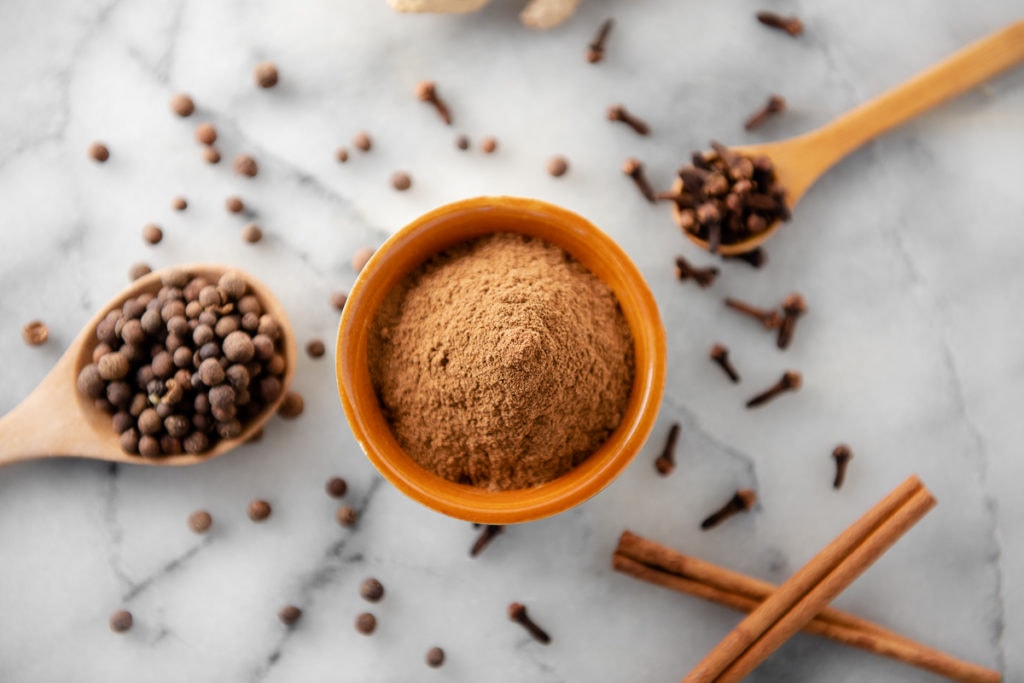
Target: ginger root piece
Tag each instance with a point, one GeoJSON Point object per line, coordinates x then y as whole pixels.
{"type": "Point", "coordinates": [537, 14]}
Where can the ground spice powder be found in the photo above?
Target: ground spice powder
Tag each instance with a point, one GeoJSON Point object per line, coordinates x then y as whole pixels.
{"type": "Point", "coordinates": [501, 363]}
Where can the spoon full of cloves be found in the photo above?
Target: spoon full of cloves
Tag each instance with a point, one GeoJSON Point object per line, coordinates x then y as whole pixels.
{"type": "Point", "coordinates": [798, 162]}
{"type": "Point", "coordinates": [183, 365]}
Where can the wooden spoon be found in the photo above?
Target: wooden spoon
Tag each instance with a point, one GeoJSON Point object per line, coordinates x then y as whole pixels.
{"type": "Point", "coordinates": [57, 420]}
{"type": "Point", "coordinates": [802, 160]}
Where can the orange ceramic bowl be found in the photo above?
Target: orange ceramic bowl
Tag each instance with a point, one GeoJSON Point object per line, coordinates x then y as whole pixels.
{"type": "Point", "coordinates": [443, 228]}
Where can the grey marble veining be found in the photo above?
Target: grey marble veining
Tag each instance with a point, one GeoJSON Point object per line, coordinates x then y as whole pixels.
{"type": "Point", "coordinates": [908, 253]}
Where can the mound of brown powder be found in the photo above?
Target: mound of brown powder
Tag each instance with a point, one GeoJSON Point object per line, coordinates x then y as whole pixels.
{"type": "Point", "coordinates": [501, 363]}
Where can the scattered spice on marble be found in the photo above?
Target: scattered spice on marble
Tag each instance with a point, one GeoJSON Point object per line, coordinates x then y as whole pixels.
{"type": "Point", "coordinates": [595, 51]}
{"type": "Point", "coordinates": [315, 348]}
{"type": "Point", "coordinates": [435, 657]}
{"type": "Point", "coordinates": [439, 379]}
{"type": "Point", "coordinates": [489, 144]}
{"type": "Point", "coordinates": [720, 356]}
{"type": "Point", "coordinates": [200, 521]}
{"type": "Point", "coordinates": [426, 91]}
{"type": "Point", "coordinates": [152, 233]}
{"type": "Point", "coordinates": [179, 203]}
{"type": "Point", "coordinates": [289, 615]}
{"type": "Point", "coordinates": [769, 319]}
{"type": "Point", "coordinates": [206, 134]}
{"type": "Point", "coordinates": [234, 205]}
{"type": "Point", "coordinates": [724, 197]}
{"type": "Point", "coordinates": [371, 590]}
{"type": "Point", "coordinates": [634, 168]}
{"type": "Point", "coordinates": [362, 141]}
{"type": "Point", "coordinates": [265, 74]}
{"type": "Point", "coordinates": [366, 623]}
{"type": "Point", "coordinates": [361, 257]}
{"type": "Point", "coordinates": [347, 516]}
{"type": "Point", "coordinates": [791, 25]}
{"type": "Point", "coordinates": [775, 105]}
{"type": "Point", "coordinates": [462, 142]}
{"type": "Point", "coordinates": [741, 501]}
{"type": "Point", "coordinates": [401, 181]}
{"type": "Point", "coordinates": [487, 535]}
{"type": "Point", "coordinates": [665, 463]}
{"type": "Point", "coordinates": [252, 233]}
{"type": "Point", "coordinates": [121, 621]}
{"type": "Point", "coordinates": [258, 510]}
{"type": "Point", "coordinates": [618, 112]}
{"type": "Point", "coordinates": [842, 454]}
{"type": "Point", "coordinates": [211, 155]}
{"type": "Point", "coordinates": [35, 333]}
{"type": "Point", "coordinates": [336, 487]}
{"type": "Point", "coordinates": [246, 166]}
{"type": "Point", "coordinates": [517, 613]}
{"type": "Point", "coordinates": [338, 300]}
{"type": "Point", "coordinates": [182, 105]}
{"type": "Point", "coordinates": [704, 277]}
{"type": "Point", "coordinates": [790, 381]}
{"type": "Point", "coordinates": [558, 166]}
{"type": "Point", "coordinates": [99, 152]}
{"type": "Point", "coordinates": [793, 307]}
{"type": "Point", "coordinates": [292, 405]}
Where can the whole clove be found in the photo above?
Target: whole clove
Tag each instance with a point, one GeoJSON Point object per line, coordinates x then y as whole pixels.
{"type": "Point", "coordinates": [595, 51]}
{"type": "Point", "coordinates": [793, 307]}
{"type": "Point", "coordinates": [484, 539]}
{"type": "Point", "coordinates": [517, 613]}
{"type": "Point", "coordinates": [791, 25]}
{"type": "Point", "coordinates": [742, 501]}
{"type": "Point", "coordinates": [720, 355]}
{"type": "Point", "coordinates": [635, 170]}
{"type": "Point", "coordinates": [666, 461]}
{"type": "Point", "coordinates": [704, 277]}
{"type": "Point", "coordinates": [618, 112]}
{"type": "Point", "coordinates": [769, 319]}
{"type": "Point", "coordinates": [790, 381]}
{"type": "Point", "coordinates": [426, 91]}
{"type": "Point", "coordinates": [755, 257]}
{"type": "Point", "coordinates": [774, 105]}
{"type": "Point", "coordinates": [842, 456]}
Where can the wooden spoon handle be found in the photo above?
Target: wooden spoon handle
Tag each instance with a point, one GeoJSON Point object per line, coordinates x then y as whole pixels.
{"type": "Point", "coordinates": [953, 76]}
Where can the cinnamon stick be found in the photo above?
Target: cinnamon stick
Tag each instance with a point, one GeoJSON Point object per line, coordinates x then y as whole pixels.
{"type": "Point", "coordinates": [796, 601]}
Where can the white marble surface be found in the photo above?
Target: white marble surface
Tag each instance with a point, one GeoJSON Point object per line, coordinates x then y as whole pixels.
{"type": "Point", "coordinates": [909, 255]}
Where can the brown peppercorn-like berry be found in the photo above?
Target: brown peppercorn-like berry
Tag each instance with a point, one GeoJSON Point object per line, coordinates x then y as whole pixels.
{"type": "Point", "coordinates": [341, 155]}
{"type": "Point", "coordinates": [336, 487]}
{"type": "Point", "coordinates": [252, 233]}
{"type": "Point", "coordinates": [149, 446]}
{"type": "Point", "coordinates": [222, 397]}
{"type": "Point", "coordinates": [489, 144]}
{"type": "Point", "coordinates": [196, 442]}
{"type": "Point", "coordinates": [211, 372]}
{"type": "Point", "coordinates": [35, 333]}
{"type": "Point", "coordinates": [269, 326]}
{"type": "Point", "coordinates": [113, 366]}
{"type": "Point", "coordinates": [211, 155]}
{"type": "Point", "coordinates": [249, 304]}
{"type": "Point", "coordinates": [182, 105]}
{"type": "Point", "coordinates": [232, 284]}
{"type": "Point", "coordinates": [276, 364]}
{"type": "Point", "coordinates": [360, 258]}
{"type": "Point", "coordinates": [347, 516]}
{"type": "Point", "coordinates": [238, 347]}
{"type": "Point", "coordinates": [289, 614]}
{"type": "Point", "coordinates": [129, 441]}
{"type": "Point", "coordinates": [362, 141]}
{"type": "Point", "coordinates": [122, 422]}
{"type": "Point", "coordinates": [435, 657]}
{"type": "Point", "coordinates": [178, 426]}
{"type": "Point", "coordinates": [315, 348]}
{"type": "Point", "coordinates": [371, 590]}
{"type": "Point", "coordinates": [401, 181]}
{"type": "Point", "coordinates": [246, 165]}
{"type": "Point", "coordinates": [99, 152]}
{"type": "Point", "coordinates": [152, 233]}
{"type": "Point", "coordinates": [206, 134]}
{"type": "Point", "coordinates": [270, 389]}
{"type": "Point", "coordinates": [234, 205]}
{"type": "Point", "coordinates": [264, 345]}
{"type": "Point", "coordinates": [150, 422]}
{"type": "Point", "coordinates": [462, 142]}
{"type": "Point", "coordinates": [338, 300]}
{"type": "Point", "coordinates": [558, 166]}
{"type": "Point", "coordinates": [200, 521]}
{"type": "Point", "coordinates": [179, 203]}
{"type": "Point", "coordinates": [366, 623]}
{"type": "Point", "coordinates": [121, 621]}
{"type": "Point", "coordinates": [259, 510]}
{"type": "Point", "coordinates": [138, 270]}
{"type": "Point", "coordinates": [292, 406]}
{"type": "Point", "coordinates": [265, 75]}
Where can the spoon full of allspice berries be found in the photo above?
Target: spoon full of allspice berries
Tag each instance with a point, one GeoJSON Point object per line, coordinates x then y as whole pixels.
{"type": "Point", "coordinates": [730, 200]}
{"type": "Point", "coordinates": [183, 365]}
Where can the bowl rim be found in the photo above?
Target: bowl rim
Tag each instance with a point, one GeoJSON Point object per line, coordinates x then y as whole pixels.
{"type": "Point", "coordinates": [517, 505]}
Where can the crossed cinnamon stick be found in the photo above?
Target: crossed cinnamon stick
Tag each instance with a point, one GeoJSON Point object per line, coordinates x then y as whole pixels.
{"type": "Point", "coordinates": [800, 603]}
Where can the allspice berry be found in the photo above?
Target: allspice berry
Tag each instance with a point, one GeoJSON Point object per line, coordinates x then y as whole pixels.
{"type": "Point", "coordinates": [435, 657]}
{"type": "Point", "coordinates": [99, 152]}
{"type": "Point", "coordinates": [362, 141]}
{"type": "Point", "coordinates": [401, 181]}
{"type": "Point", "coordinates": [360, 258]}
{"type": "Point", "coordinates": [152, 233]}
{"type": "Point", "coordinates": [35, 333]}
{"type": "Point", "coordinates": [259, 510]}
{"type": "Point", "coordinates": [121, 621]}
{"type": "Point", "coordinates": [366, 623]}
{"type": "Point", "coordinates": [234, 205]}
{"type": "Point", "coordinates": [341, 155]}
{"type": "Point", "coordinates": [252, 233]}
{"type": "Point", "coordinates": [211, 155]}
{"type": "Point", "coordinates": [182, 105]}
{"type": "Point", "coordinates": [206, 134]}
{"type": "Point", "coordinates": [336, 487]}
{"type": "Point", "coordinates": [179, 204]}
{"type": "Point", "coordinates": [315, 348]}
{"type": "Point", "coordinates": [347, 516]}
{"type": "Point", "coordinates": [265, 75]}
{"type": "Point", "coordinates": [292, 406]}
{"type": "Point", "coordinates": [246, 165]}
{"type": "Point", "coordinates": [558, 166]}
{"type": "Point", "coordinates": [489, 144]}
{"type": "Point", "coordinates": [200, 521]}
{"type": "Point", "coordinates": [289, 614]}
{"type": "Point", "coordinates": [338, 300]}
{"type": "Point", "coordinates": [371, 590]}
{"type": "Point", "coordinates": [462, 142]}
{"type": "Point", "coordinates": [138, 270]}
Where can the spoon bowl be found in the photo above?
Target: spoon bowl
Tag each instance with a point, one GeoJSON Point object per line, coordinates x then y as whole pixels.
{"type": "Point", "coordinates": [801, 160]}
{"type": "Point", "coordinates": [56, 420]}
